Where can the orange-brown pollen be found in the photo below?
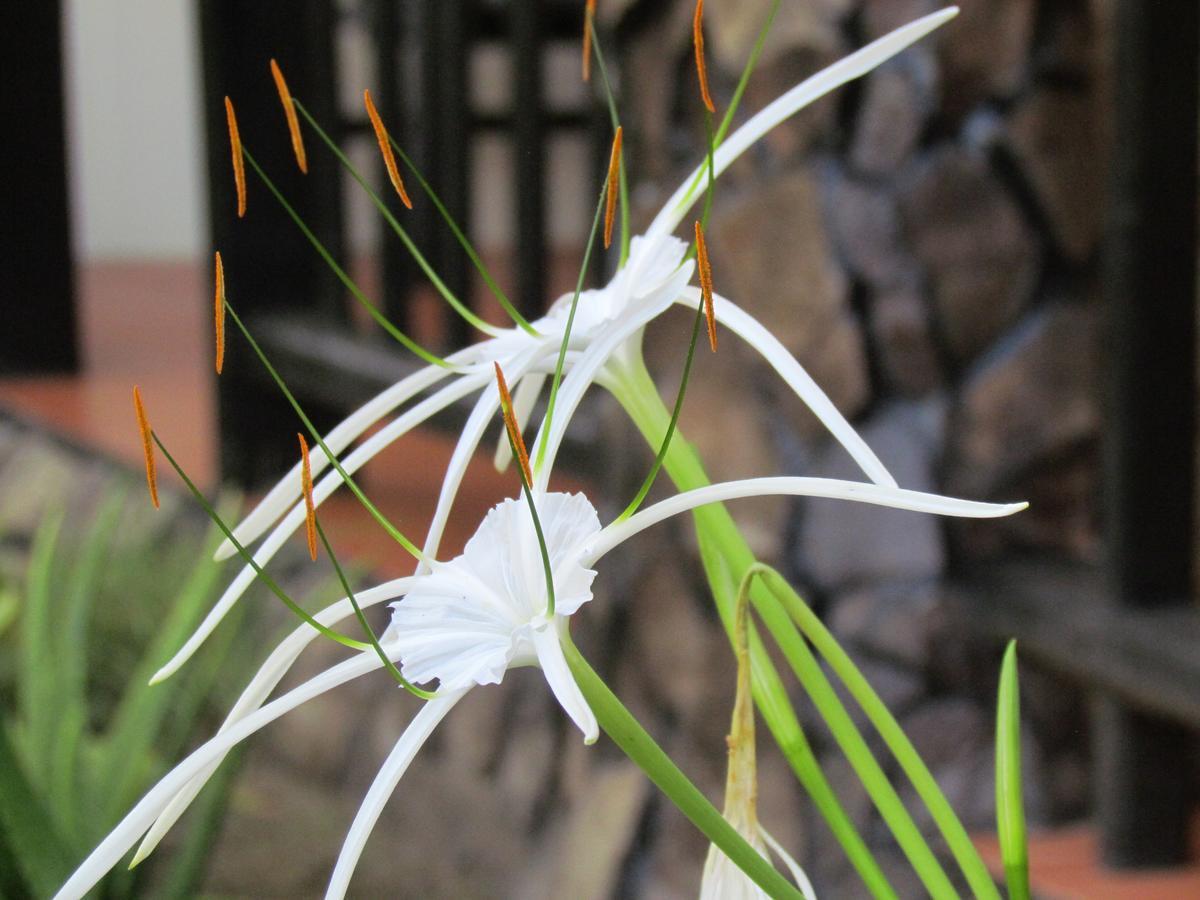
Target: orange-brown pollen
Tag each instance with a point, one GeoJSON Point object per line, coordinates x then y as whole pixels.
{"type": "Point", "coordinates": [510, 423]}
{"type": "Point", "coordinates": [385, 147]}
{"type": "Point", "coordinates": [147, 445]}
{"type": "Point", "coordinates": [219, 312]}
{"type": "Point", "coordinates": [289, 111]}
{"type": "Point", "coordinates": [310, 509]}
{"type": "Point", "coordinates": [239, 165]}
{"type": "Point", "coordinates": [706, 288]}
{"type": "Point", "coordinates": [588, 14]}
{"type": "Point", "coordinates": [614, 178]}
{"type": "Point", "coordinates": [698, 43]}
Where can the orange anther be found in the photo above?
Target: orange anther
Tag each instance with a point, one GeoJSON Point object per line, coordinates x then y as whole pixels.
{"type": "Point", "coordinates": [219, 312]}
{"type": "Point", "coordinates": [706, 289]}
{"type": "Point", "coordinates": [385, 147]}
{"type": "Point", "coordinates": [614, 173]}
{"type": "Point", "coordinates": [588, 15]}
{"type": "Point", "coordinates": [239, 165]}
{"type": "Point", "coordinates": [147, 445]}
{"type": "Point", "coordinates": [698, 43]}
{"type": "Point", "coordinates": [310, 509]}
{"type": "Point", "coordinates": [289, 111]}
{"type": "Point", "coordinates": [514, 430]}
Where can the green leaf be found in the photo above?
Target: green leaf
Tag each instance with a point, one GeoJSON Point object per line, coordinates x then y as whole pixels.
{"type": "Point", "coordinates": [620, 725]}
{"type": "Point", "coordinates": [29, 833]}
{"type": "Point", "coordinates": [1010, 807]}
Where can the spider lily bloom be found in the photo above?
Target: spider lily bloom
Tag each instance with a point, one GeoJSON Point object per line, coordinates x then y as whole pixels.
{"type": "Point", "coordinates": [464, 623]}
{"type": "Point", "coordinates": [607, 326]}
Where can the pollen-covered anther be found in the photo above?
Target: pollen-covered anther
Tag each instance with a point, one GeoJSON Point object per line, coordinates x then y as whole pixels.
{"type": "Point", "coordinates": [147, 445]}
{"type": "Point", "coordinates": [310, 509]}
{"type": "Point", "coordinates": [239, 164]}
{"type": "Point", "coordinates": [385, 147]}
{"type": "Point", "coordinates": [510, 424]}
{"type": "Point", "coordinates": [614, 179]}
{"type": "Point", "coordinates": [219, 311]}
{"type": "Point", "coordinates": [289, 111]}
{"type": "Point", "coordinates": [706, 287]}
{"type": "Point", "coordinates": [589, 14]}
{"type": "Point", "coordinates": [698, 43]}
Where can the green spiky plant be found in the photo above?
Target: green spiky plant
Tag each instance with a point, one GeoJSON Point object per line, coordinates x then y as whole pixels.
{"type": "Point", "coordinates": [83, 628]}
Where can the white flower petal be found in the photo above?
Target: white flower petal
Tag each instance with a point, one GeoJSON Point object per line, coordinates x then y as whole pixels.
{"type": "Point", "coordinates": [862, 492]}
{"type": "Point", "coordinates": [327, 485]}
{"type": "Point", "coordinates": [383, 786]}
{"type": "Point", "coordinates": [793, 867]}
{"type": "Point", "coordinates": [135, 823]}
{"type": "Point", "coordinates": [828, 79]}
{"type": "Point", "coordinates": [760, 338]}
{"type": "Point", "coordinates": [550, 657]}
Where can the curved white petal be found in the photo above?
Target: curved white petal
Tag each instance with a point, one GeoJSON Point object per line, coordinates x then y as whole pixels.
{"type": "Point", "coordinates": [793, 867]}
{"type": "Point", "coordinates": [394, 767]}
{"type": "Point", "coordinates": [789, 369]}
{"type": "Point", "coordinates": [585, 371]}
{"type": "Point", "coordinates": [287, 490]}
{"type": "Point", "coordinates": [862, 492]}
{"type": "Point", "coordinates": [548, 647]}
{"type": "Point", "coordinates": [853, 66]}
{"type": "Point", "coordinates": [256, 692]}
{"type": "Point", "coordinates": [276, 539]}
{"type": "Point", "coordinates": [121, 838]}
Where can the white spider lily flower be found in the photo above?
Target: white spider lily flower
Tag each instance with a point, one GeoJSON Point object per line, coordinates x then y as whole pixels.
{"type": "Point", "coordinates": [465, 623]}
{"type": "Point", "coordinates": [609, 322]}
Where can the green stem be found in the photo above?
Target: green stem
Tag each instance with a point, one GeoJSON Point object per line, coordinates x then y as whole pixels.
{"type": "Point", "coordinates": [623, 186]}
{"type": "Point", "coordinates": [717, 534]}
{"type": "Point", "coordinates": [1010, 807]}
{"type": "Point", "coordinates": [345, 279]}
{"type": "Point", "coordinates": [620, 725]}
{"type": "Point", "coordinates": [439, 285]}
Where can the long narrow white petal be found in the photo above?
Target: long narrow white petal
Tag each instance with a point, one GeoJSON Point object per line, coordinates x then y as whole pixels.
{"type": "Point", "coordinates": [862, 492]}
{"type": "Point", "coordinates": [585, 371]}
{"type": "Point", "coordinates": [278, 664]}
{"type": "Point", "coordinates": [394, 767]}
{"type": "Point", "coordinates": [287, 490]}
{"type": "Point", "coordinates": [477, 423]}
{"type": "Point", "coordinates": [793, 867]}
{"type": "Point", "coordinates": [276, 539]}
{"type": "Point", "coordinates": [548, 647]}
{"type": "Point", "coordinates": [760, 338]}
{"type": "Point", "coordinates": [853, 66]}
{"type": "Point", "coordinates": [524, 398]}
{"type": "Point", "coordinates": [121, 838]}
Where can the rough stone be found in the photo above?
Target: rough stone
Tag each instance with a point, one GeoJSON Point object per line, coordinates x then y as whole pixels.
{"type": "Point", "coordinates": [1026, 426]}
{"type": "Point", "coordinates": [985, 51]}
{"type": "Point", "coordinates": [896, 102]}
{"type": "Point", "coordinates": [903, 340]}
{"type": "Point", "coordinates": [898, 621]}
{"type": "Point", "coordinates": [732, 28]}
{"type": "Point", "coordinates": [1054, 136]}
{"type": "Point", "coordinates": [842, 544]}
{"type": "Point", "coordinates": [882, 16]}
{"type": "Point", "coordinates": [771, 254]}
{"type": "Point", "coordinates": [977, 251]}
{"type": "Point", "coordinates": [864, 225]}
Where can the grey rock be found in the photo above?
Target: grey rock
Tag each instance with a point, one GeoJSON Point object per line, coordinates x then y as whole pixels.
{"type": "Point", "coordinates": [842, 543]}
{"type": "Point", "coordinates": [979, 254]}
{"type": "Point", "coordinates": [896, 621]}
{"type": "Point", "coordinates": [985, 51]}
{"type": "Point", "coordinates": [897, 101]}
{"type": "Point", "coordinates": [864, 225]}
{"type": "Point", "coordinates": [903, 338]}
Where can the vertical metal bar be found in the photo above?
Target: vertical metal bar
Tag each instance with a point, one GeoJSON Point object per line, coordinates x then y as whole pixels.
{"type": "Point", "coordinates": [269, 264]}
{"type": "Point", "coordinates": [397, 267]}
{"type": "Point", "coordinates": [453, 165]}
{"type": "Point", "coordinates": [39, 333]}
{"type": "Point", "coordinates": [1151, 297]}
{"type": "Point", "coordinates": [530, 150]}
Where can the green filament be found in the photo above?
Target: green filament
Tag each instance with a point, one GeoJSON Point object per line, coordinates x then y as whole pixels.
{"type": "Point", "coordinates": [610, 100]}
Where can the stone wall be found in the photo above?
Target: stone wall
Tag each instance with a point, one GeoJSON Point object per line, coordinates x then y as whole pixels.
{"type": "Point", "coordinates": [927, 243]}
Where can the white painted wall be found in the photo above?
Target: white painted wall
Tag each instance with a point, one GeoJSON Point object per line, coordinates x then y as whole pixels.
{"type": "Point", "coordinates": [134, 129]}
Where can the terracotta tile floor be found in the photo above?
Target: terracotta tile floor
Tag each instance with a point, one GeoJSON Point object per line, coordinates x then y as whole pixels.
{"type": "Point", "coordinates": [150, 325]}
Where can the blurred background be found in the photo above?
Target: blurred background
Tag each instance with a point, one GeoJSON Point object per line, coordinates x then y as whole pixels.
{"type": "Point", "coordinates": [985, 252]}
